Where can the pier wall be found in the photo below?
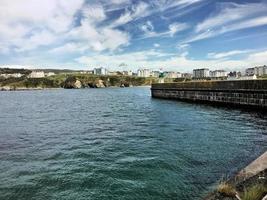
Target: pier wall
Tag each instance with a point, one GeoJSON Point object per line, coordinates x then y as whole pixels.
{"type": "Point", "coordinates": [250, 93]}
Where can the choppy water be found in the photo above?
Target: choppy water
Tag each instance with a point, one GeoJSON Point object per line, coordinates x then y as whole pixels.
{"type": "Point", "coordinates": [119, 144]}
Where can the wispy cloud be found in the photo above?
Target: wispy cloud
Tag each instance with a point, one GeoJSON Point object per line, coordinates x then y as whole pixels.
{"type": "Point", "coordinates": [214, 55]}
{"type": "Point", "coordinates": [232, 17]}
{"type": "Point", "coordinates": [132, 13]}
{"type": "Point", "coordinates": [174, 28]}
{"type": "Point", "coordinates": [231, 13]}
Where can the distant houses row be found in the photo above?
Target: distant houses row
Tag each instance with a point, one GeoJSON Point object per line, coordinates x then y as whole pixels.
{"type": "Point", "coordinates": [33, 74]}
{"type": "Point", "coordinates": [250, 73]}
{"type": "Point", "coordinates": [202, 73]}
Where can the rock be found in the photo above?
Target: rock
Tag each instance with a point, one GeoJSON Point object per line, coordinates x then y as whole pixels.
{"type": "Point", "coordinates": [77, 84]}
{"type": "Point", "coordinates": [100, 84]}
{"type": "Point", "coordinates": [5, 88]}
{"type": "Point", "coordinates": [72, 83]}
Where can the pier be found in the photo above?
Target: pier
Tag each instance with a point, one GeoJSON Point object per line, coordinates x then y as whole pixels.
{"type": "Point", "coordinates": [245, 93]}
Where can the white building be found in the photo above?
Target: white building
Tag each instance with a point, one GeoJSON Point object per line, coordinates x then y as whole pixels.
{"type": "Point", "coordinates": [37, 74]}
{"type": "Point", "coordinates": [143, 73]}
{"type": "Point", "coordinates": [258, 71]}
{"type": "Point", "coordinates": [250, 71]}
{"type": "Point", "coordinates": [49, 74]}
{"type": "Point", "coordinates": [173, 74]}
{"type": "Point", "coordinates": [100, 71]}
{"type": "Point", "coordinates": [127, 73]}
{"type": "Point", "coordinates": [186, 75]}
{"type": "Point", "coordinates": [218, 73]}
{"type": "Point", "coordinates": [201, 73]}
{"type": "Point", "coordinates": [15, 75]}
{"type": "Point", "coordinates": [253, 77]}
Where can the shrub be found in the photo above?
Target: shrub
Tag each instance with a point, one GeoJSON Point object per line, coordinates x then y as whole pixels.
{"type": "Point", "coordinates": [226, 189]}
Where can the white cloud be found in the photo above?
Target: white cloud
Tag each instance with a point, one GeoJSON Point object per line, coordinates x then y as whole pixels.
{"type": "Point", "coordinates": [232, 17]}
{"type": "Point", "coordinates": [37, 39]}
{"type": "Point", "coordinates": [69, 48]}
{"type": "Point", "coordinates": [99, 38]}
{"type": "Point", "coordinates": [259, 58]}
{"type": "Point", "coordinates": [25, 22]}
{"type": "Point", "coordinates": [230, 13]}
{"type": "Point", "coordinates": [156, 45]}
{"type": "Point", "coordinates": [171, 62]}
{"type": "Point", "coordinates": [227, 54]}
{"type": "Point", "coordinates": [25, 26]}
{"type": "Point", "coordinates": [94, 13]}
{"type": "Point", "coordinates": [177, 27]}
{"type": "Point", "coordinates": [132, 13]}
{"type": "Point", "coordinates": [174, 28]}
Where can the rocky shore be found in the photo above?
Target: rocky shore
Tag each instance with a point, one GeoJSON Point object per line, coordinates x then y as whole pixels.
{"type": "Point", "coordinates": [73, 81]}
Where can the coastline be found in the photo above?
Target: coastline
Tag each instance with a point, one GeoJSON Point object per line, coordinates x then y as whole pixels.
{"type": "Point", "coordinates": [7, 88]}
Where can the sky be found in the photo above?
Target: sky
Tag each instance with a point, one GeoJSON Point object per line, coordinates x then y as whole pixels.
{"type": "Point", "coordinates": [177, 35]}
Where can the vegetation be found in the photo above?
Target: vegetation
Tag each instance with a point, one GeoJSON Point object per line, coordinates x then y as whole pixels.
{"type": "Point", "coordinates": [256, 192]}
{"type": "Point", "coordinates": [14, 71]}
{"type": "Point", "coordinates": [226, 189]}
{"type": "Point", "coordinates": [87, 80]}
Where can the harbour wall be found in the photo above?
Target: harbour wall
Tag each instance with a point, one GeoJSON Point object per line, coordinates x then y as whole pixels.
{"type": "Point", "coordinates": [248, 93]}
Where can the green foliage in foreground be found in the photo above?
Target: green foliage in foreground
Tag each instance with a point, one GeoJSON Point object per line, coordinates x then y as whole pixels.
{"type": "Point", "coordinates": [256, 192]}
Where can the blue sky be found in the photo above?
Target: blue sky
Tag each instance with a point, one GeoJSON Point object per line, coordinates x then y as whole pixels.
{"type": "Point", "coordinates": [129, 34]}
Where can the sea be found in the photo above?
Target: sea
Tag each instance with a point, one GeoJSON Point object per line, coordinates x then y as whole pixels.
{"type": "Point", "coordinates": [120, 144]}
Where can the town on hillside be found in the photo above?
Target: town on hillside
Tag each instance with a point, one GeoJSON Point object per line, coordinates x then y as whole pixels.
{"type": "Point", "coordinates": [197, 74]}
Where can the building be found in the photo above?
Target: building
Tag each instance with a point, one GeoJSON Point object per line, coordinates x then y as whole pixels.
{"type": "Point", "coordinates": [15, 75]}
{"type": "Point", "coordinates": [186, 75]}
{"type": "Point", "coordinates": [258, 71]}
{"type": "Point", "coordinates": [172, 74]}
{"type": "Point", "coordinates": [233, 75]}
{"type": "Point", "coordinates": [100, 71]}
{"type": "Point", "coordinates": [49, 74]}
{"type": "Point", "coordinates": [127, 73]}
{"type": "Point", "coordinates": [37, 74]}
{"type": "Point", "coordinates": [218, 73]}
{"type": "Point", "coordinates": [251, 77]}
{"type": "Point", "coordinates": [155, 74]}
{"type": "Point", "coordinates": [201, 73]}
{"type": "Point", "coordinates": [143, 73]}
{"type": "Point", "coordinates": [250, 71]}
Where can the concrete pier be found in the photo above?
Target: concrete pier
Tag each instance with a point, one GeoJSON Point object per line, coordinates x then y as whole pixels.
{"type": "Point", "coordinates": [249, 93]}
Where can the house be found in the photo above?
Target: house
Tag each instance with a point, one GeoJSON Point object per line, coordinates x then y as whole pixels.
{"type": "Point", "coordinates": [218, 74]}
{"type": "Point", "coordinates": [15, 75]}
{"type": "Point", "coordinates": [143, 73]}
{"type": "Point", "coordinates": [233, 75]}
{"type": "Point", "coordinates": [49, 74]}
{"type": "Point", "coordinates": [201, 73]}
{"type": "Point", "coordinates": [100, 71]}
{"type": "Point", "coordinates": [36, 74]}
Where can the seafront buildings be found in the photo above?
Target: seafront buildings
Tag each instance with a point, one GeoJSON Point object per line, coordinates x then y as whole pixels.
{"type": "Point", "coordinates": [198, 74]}
{"type": "Point", "coordinates": [201, 73]}
{"type": "Point", "coordinates": [218, 74]}
{"type": "Point", "coordinates": [143, 73]}
{"type": "Point", "coordinates": [258, 71]}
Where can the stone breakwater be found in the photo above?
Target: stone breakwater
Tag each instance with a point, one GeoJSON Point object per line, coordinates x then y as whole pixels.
{"type": "Point", "coordinates": [249, 93]}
